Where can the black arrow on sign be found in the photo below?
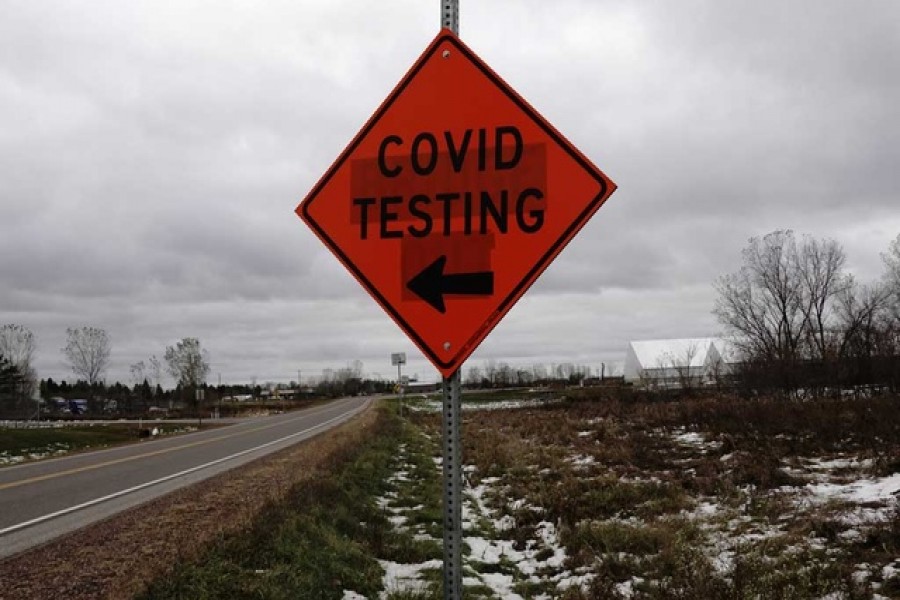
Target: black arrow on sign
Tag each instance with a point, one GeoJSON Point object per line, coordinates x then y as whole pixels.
{"type": "Point", "coordinates": [432, 284]}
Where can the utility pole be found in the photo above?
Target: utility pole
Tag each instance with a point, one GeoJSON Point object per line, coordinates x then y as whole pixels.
{"type": "Point", "coordinates": [400, 383]}
{"type": "Point", "coordinates": [219, 396]}
{"type": "Point", "coordinates": [399, 359]}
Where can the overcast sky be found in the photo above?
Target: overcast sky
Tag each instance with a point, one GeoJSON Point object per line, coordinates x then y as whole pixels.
{"type": "Point", "coordinates": [152, 154]}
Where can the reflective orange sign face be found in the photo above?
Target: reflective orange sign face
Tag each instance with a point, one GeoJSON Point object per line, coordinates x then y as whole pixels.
{"type": "Point", "coordinates": [452, 199]}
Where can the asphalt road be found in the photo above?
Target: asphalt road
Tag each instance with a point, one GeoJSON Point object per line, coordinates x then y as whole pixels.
{"type": "Point", "coordinates": [42, 500]}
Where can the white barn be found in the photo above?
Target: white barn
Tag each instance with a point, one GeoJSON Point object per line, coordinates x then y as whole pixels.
{"type": "Point", "coordinates": [667, 363]}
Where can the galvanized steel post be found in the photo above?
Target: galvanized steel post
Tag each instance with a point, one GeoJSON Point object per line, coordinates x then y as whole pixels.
{"type": "Point", "coordinates": [451, 426]}
{"type": "Point", "coordinates": [450, 15]}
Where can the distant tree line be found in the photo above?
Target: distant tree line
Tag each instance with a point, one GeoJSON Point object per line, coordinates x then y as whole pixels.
{"type": "Point", "coordinates": [17, 375]}
{"type": "Point", "coordinates": [13, 382]}
{"type": "Point", "coordinates": [87, 352]}
{"type": "Point", "coordinates": [492, 374]}
{"type": "Point", "coordinates": [347, 381]}
{"type": "Point", "coordinates": [803, 325]}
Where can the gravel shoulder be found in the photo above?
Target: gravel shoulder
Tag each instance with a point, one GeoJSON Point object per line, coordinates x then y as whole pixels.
{"type": "Point", "coordinates": [117, 557]}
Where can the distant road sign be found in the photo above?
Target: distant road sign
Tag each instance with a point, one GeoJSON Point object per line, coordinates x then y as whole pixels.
{"type": "Point", "coordinates": [451, 201]}
{"type": "Point", "coordinates": [398, 358]}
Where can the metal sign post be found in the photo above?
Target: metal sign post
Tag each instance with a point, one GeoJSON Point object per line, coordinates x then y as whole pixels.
{"type": "Point", "coordinates": [447, 216]}
{"type": "Point", "coordinates": [399, 359]}
{"type": "Point", "coordinates": [450, 15]}
{"type": "Point", "coordinates": [452, 434]}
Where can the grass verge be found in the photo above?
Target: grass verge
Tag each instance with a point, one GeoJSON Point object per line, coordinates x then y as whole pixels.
{"type": "Point", "coordinates": [319, 540]}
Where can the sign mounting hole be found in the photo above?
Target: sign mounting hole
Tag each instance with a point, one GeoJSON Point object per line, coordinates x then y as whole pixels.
{"type": "Point", "coordinates": [446, 345]}
{"type": "Point", "coordinates": [446, 54]}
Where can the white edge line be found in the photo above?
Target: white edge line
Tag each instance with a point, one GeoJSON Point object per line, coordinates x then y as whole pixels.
{"type": "Point", "coordinates": [147, 484]}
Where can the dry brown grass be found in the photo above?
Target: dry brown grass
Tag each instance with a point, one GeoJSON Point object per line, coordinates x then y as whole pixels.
{"type": "Point", "coordinates": [620, 476]}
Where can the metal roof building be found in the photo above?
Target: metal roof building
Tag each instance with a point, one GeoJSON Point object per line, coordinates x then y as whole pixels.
{"type": "Point", "coordinates": [673, 362]}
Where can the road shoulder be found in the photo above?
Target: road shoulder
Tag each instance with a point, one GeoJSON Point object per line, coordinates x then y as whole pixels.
{"type": "Point", "coordinates": [115, 558]}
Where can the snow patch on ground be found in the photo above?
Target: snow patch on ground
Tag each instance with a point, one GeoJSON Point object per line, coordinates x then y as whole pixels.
{"type": "Point", "coordinates": [540, 561]}
{"type": "Point", "coordinates": [495, 550]}
{"type": "Point", "coordinates": [861, 491]}
{"type": "Point", "coordinates": [399, 577]}
{"type": "Point", "coordinates": [693, 439]}
{"type": "Point", "coordinates": [581, 460]}
{"type": "Point", "coordinates": [690, 439]}
{"type": "Point", "coordinates": [831, 483]}
{"type": "Point", "coordinates": [437, 406]}
{"type": "Point", "coordinates": [56, 449]}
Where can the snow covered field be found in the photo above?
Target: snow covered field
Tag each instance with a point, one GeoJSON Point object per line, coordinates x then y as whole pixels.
{"type": "Point", "coordinates": [695, 499]}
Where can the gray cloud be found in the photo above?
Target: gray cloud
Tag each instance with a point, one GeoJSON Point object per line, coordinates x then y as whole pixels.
{"type": "Point", "coordinates": [152, 154]}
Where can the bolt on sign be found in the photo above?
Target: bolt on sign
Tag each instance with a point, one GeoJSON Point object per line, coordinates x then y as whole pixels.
{"type": "Point", "coordinates": [451, 201]}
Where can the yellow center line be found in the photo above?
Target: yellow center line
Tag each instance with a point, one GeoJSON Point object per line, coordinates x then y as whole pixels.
{"type": "Point", "coordinates": [116, 461]}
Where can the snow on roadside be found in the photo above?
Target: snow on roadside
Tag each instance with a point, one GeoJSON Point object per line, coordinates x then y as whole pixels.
{"type": "Point", "coordinates": [400, 577]}
{"type": "Point", "coordinates": [54, 449]}
{"type": "Point", "coordinates": [484, 534]}
{"type": "Point", "coordinates": [406, 578]}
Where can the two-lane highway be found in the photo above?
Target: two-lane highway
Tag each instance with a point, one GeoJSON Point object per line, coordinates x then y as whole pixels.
{"type": "Point", "coordinates": [42, 500]}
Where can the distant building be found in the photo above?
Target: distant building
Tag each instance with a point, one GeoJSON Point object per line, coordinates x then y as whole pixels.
{"type": "Point", "coordinates": [675, 362]}
{"type": "Point", "coordinates": [422, 388]}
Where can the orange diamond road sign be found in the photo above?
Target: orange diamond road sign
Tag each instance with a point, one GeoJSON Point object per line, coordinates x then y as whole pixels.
{"type": "Point", "coordinates": [452, 199]}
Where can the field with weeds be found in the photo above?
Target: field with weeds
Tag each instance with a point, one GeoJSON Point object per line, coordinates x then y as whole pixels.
{"type": "Point", "coordinates": [592, 496]}
{"type": "Point", "coordinates": [695, 498]}
{"type": "Point", "coordinates": [33, 443]}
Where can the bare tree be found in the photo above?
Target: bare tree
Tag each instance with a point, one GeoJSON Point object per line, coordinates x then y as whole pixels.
{"type": "Point", "coordinates": [17, 346]}
{"type": "Point", "coordinates": [524, 377]}
{"type": "Point", "coordinates": [138, 372]}
{"type": "Point", "coordinates": [490, 372]}
{"type": "Point", "coordinates": [892, 276]}
{"type": "Point", "coordinates": [687, 377]}
{"type": "Point", "coordinates": [860, 313]}
{"type": "Point", "coordinates": [820, 265]}
{"type": "Point", "coordinates": [356, 368]}
{"type": "Point", "coordinates": [539, 373]}
{"type": "Point", "coordinates": [154, 370]}
{"type": "Point", "coordinates": [11, 404]}
{"type": "Point", "coordinates": [473, 377]}
{"type": "Point", "coordinates": [891, 327]}
{"type": "Point", "coordinates": [139, 377]}
{"type": "Point", "coordinates": [504, 375]}
{"type": "Point", "coordinates": [763, 302]}
{"type": "Point", "coordinates": [779, 306]}
{"type": "Point", "coordinates": [187, 362]}
{"type": "Point", "coordinates": [87, 351]}
{"type": "Point", "coordinates": [656, 377]}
